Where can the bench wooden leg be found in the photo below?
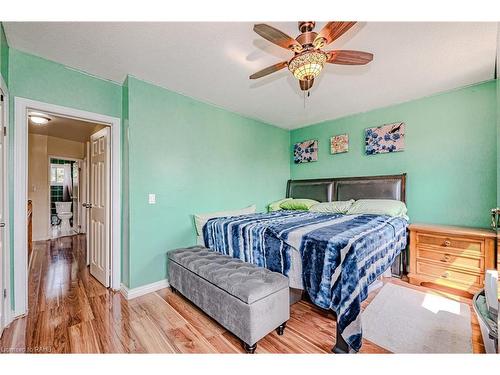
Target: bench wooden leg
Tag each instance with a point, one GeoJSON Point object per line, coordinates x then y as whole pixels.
{"type": "Point", "coordinates": [281, 329]}
{"type": "Point", "coordinates": [250, 349]}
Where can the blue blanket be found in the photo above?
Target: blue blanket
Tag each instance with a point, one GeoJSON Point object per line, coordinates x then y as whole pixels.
{"type": "Point", "coordinates": [341, 254]}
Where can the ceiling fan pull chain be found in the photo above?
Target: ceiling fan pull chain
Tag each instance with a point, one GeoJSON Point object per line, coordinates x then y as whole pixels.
{"type": "Point", "coordinates": [306, 96]}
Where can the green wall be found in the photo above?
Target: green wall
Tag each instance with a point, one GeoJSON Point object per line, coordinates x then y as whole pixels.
{"type": "Point", "coordinates": [39, 79]}
{"type": "Point", "coordinates": [196, 158]}
{"type": "Point", "coordinates": [35, 78]}
{"type": "Point", "coordinates": [450, 154]}
{"type": "Point", "coordinates": [498, 138]}
{"type": "Point", "coordinates": [125, 259]}
{"type": "Point", "coordinates": [497, 67]}
{"type": "Point", "coordinates": [4, 55]}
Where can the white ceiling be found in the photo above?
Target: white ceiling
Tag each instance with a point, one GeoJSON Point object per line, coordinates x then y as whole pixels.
{"type": "Point", "coordinates": [66, 128]}
{"type": "Point", "coordinates": [212, 61]}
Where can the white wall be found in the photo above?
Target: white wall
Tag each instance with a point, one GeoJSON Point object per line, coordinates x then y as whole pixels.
{"type": "Point", "coordinates": [39, 149]}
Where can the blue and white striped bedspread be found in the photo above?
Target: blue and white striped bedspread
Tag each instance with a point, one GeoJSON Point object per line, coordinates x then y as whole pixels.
{"type": "Point", "coordinates": [341, 254]}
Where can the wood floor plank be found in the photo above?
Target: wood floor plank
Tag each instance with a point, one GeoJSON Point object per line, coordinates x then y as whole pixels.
{"type": "Point", "coordinates": [61, 343]}
{"type": "Point", "coordinates": [222, 345]}
{"type": "Point", "coordinates": [289, 343]}
{"type": "Point", "coordinates": [192, 314]}
{"type": "Point", "coordinates": [188, 340]}
{"type": "Point", "coordinates": [109, 336]}
{"type": "Point", "coordinates": [154, 341]}
{"type": "Point", "coordinates": [82, 338]}
{"type": "Point", "coordinates": [323, 333]}
{"type": "Point", "coordinates": [13, 338]}
{"type": "Point", "coordinates": [71, 312]}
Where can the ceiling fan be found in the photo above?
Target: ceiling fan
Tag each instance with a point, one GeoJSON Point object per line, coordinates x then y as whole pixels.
{"type": "Point", "coordinates": [309, 57]}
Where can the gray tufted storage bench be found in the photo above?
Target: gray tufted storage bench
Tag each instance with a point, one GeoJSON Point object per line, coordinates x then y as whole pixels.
{"type": "Point", "coordinates": [247, 300]}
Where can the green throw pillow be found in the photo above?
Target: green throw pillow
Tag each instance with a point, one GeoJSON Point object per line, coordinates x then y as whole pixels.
{"type": "Point", "coordinates": [275, 206]}
{"type": "Point", "coordinates": [336, 207]}
{"type": "Point", "coordinates": [379, 207]}
{"type": "Point", "coordinates": [298, 204]}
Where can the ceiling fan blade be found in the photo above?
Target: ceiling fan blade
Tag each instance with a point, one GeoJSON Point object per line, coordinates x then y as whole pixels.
{"type": "Point", "coordinates": [346, 57]}
{"type": "Point", "coordinates": [330, 32]}
{"type": "Point", "coordinates": [269, 70]}
{"type": "Point", "coordinates": [277, 37]}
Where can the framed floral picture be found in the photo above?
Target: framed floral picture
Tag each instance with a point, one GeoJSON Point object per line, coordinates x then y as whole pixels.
{"type": "Point", "coordinates": [305, 152]}
{"type": "Point", "coordinates": [339, 144]}
{"type": "Point", "coordinates": [385, 138]}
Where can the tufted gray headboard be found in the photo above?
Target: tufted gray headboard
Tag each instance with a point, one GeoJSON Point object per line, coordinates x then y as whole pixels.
{"type": "Point", "coordinates": [345, 188]}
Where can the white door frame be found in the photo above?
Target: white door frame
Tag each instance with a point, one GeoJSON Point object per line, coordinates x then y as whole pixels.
{"type": "Point", "coordinates": [7, 306]}
{"type": "Point", "coordinates": [21, 108]}
{"type": "Point", "coordinates": [49, 230]}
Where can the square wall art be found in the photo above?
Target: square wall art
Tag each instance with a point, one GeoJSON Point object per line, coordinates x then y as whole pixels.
{"type": "Point", "coordinates": [305, 152]}
{"type": "Point", "coordinates": [339, 144]}
{"type": "Point", "coordinates": [385, 138]}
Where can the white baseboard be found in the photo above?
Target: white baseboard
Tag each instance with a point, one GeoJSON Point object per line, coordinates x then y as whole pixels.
{"type": "Point", "coordinates": [142, 290]}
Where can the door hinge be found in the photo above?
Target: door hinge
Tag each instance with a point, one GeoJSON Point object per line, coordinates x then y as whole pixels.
{"type": "Point", "coordinates": [1, 98]}
{"type": "Point", "coordinates": [4, 293]}
{"type": "Point", "coordinates": [5, 131]}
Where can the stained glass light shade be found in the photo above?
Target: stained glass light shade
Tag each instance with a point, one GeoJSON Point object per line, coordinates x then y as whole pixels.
{"type": "Point", "coordinates": [307, 65]}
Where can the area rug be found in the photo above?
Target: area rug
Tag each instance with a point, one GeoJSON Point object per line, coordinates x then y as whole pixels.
{"type": "Point", "coordinates": [404, 320]}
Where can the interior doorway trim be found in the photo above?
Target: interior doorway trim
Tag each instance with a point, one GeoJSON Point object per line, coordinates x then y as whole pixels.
{"type": "Point", "coordinates": [21, 108]}
{"type": "Point", "coordinates": [7, 314]}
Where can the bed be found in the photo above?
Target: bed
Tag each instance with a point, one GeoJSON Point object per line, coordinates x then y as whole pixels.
{"type": "Point", "coordinates": [334, 258]}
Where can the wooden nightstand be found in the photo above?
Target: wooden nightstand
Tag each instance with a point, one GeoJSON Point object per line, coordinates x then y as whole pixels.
{"type": "Point", "coordinates": [455, 257]}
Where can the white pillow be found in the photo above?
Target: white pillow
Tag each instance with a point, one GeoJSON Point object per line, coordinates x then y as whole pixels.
{"type": "Point", "coordinates": [337, 207]}
{"type": "Point", "coordinates": [200, 240]}
{"type": "Point", "coordinates": [201, 219]}
{"type": "Point", "coordinates": [389, 207]}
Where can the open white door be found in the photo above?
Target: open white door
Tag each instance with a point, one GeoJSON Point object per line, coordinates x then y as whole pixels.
{"type": "Point", "coordinates": [86, 210]}
{"type": "Point", "coordinates": [99, 238]}
{"type": "Point", "coordinates": [2, 213]}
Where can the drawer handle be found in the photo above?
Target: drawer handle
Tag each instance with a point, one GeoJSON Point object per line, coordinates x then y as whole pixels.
{"type": "Point", "coordinates": [447, 243]}
{"type": "Point", "coordinates": [445, 275]}
{"type": "Point", "coordinates": [446, 258]}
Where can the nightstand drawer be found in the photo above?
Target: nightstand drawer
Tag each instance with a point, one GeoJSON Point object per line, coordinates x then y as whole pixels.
{"type": "Point", "coordinates": [451, 258]}
{"type": "Point", "coordinates": [449, 242]}
{"type": "Point", "coordinates": [446, 273]}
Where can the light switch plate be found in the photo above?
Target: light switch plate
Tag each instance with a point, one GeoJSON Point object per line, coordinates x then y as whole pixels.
{"type": "Point", "coordinates": [152, 198]}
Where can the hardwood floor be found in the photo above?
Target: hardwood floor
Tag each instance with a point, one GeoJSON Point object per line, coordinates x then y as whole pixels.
{"type": "Point", "coordinates": [70, 312]}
